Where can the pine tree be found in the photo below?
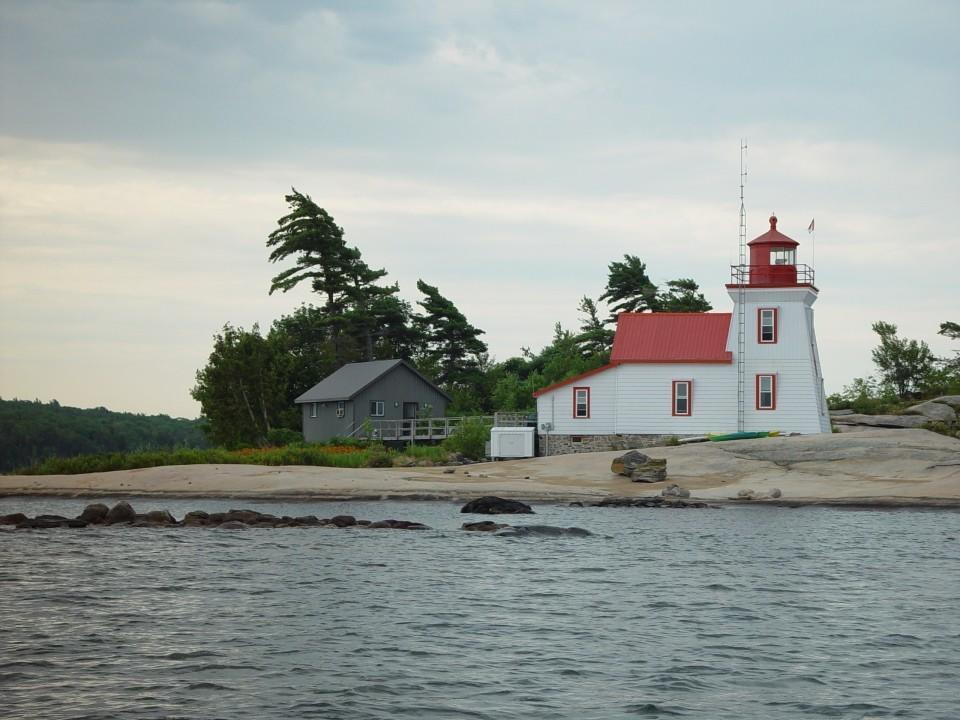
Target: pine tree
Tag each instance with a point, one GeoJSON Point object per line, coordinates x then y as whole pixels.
{"type": "Point", "coordinates": [451, 346]}
{"type": "Point", "coordinates": [629, 289]}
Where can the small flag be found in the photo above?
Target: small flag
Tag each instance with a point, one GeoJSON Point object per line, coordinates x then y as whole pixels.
{"type": "Point", "coordinates": [810, 228]}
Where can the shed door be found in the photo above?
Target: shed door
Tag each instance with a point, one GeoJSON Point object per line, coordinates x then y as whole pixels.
{"type": "Point", "coordinates": [410, 410]}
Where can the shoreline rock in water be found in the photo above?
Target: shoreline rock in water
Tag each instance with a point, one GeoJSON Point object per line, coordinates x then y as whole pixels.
{"type": "Point", "coordinates": [492, 505]}
{"type": "Point", "coordinates": [123, 514]}
{"type": "Point", "coordinates": [651, 501]}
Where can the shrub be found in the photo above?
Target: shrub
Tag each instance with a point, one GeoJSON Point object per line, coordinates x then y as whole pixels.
{"type": "Point", "coordinates": [942, 428]}
{"type": "Point", "coordinates": [433, 453]}
{"type": "Point", "coordinates": [379, 460]}
{"type": "Point", "coordinates": [470, 439]}
{"type": "Point", "coordinates": [672, 441]}
{"type": "Point", "coordinates": [357, 442]}
{"type": "Point", "coordinates": [279, 437]}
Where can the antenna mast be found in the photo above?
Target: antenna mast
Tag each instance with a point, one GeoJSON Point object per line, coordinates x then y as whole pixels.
{"type": "Point", "coordinates": [742, 276]}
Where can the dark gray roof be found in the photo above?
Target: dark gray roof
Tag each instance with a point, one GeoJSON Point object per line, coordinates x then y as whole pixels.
{"type": "Point", "coordinates": [350, 379]}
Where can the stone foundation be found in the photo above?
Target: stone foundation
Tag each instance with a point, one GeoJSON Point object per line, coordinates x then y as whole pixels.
{"type": "Point", "coordinates": [568, 444]}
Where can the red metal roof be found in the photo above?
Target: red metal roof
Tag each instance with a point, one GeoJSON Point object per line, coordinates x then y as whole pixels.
{"type": "Point", "coordinates": [663, 338]}
{"type": "Point", "coordinates": [671, 338]}
{"type": "Point", "coordinates": [774, 236]}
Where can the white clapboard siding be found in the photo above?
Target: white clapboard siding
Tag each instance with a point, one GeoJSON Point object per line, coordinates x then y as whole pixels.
{"type": "Point", "coordinates": [794, 359]}
{"type": "Point", "coordinates": [636, 398]}
{"type": "Point", "coordinates": [645, 397]}
{"type": "Point", "coordinates": [556, 406]}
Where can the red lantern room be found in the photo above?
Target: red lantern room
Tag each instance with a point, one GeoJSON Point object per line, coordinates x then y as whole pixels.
{"type": "Point", "coordinates": [773, 258]}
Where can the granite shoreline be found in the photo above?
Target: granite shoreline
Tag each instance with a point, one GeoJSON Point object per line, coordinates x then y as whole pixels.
{"type": "Point", "coordinates": [873, 468]}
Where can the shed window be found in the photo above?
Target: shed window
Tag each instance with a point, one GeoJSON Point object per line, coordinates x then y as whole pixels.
{"type": "Point", "coordinates": [340, 409]}
{"type": "Point", "coordinates": [682, 400]}
{"type": "Point", "coordinates": [767, 325]}
{"type": "Point", "coordinates": [376, 408]}
{"type": "Point", "coordinates": [783, 256]}
{"type": "Point", "coordinates": [313, 410]}
{"type": "Point", "coordinates": [581, 402]}
{"type": "Point", "coordinates": [766, 392]}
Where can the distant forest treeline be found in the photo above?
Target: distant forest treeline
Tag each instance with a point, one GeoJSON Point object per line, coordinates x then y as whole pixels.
{"type": "Point", "coordinates": [31, 431]}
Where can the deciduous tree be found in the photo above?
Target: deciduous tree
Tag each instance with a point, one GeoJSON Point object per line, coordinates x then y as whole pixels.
{"type": "Point", "coordinates": [903, 363]}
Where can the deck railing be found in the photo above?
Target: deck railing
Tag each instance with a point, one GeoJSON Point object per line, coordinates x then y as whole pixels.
{"type": "Point", "coordinates": [771, 275]}
{"type": "Point", "coordinates": [420, 429]}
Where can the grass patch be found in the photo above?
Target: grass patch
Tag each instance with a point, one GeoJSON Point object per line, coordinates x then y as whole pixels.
{"type": "Point", "coordinates": [338, 454]}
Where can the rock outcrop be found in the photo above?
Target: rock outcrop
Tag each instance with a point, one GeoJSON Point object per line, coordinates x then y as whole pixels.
{"type": "Point", "coordinates": [935, 411]}
{"type": "Point", "coordinates": [883, 421]}
{"type": "Point", "coordinates": [491, 505]}
{"type": "Point", "coordinates": [675, 491]}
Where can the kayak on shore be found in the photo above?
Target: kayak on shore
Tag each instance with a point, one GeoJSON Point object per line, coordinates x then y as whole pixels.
{"type": "Point", "coordinates": [743, 435]}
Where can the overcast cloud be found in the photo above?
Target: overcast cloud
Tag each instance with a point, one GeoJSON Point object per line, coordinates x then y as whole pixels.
{"type": "Point", "coordinates": [505, 152]}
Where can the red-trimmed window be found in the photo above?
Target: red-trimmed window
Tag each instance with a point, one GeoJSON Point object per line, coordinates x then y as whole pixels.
{"type": "Point", "coordinates": [682, 397]}
{"type": "Point", "coordinates": [767, 325]}
{"type": "Point", "coordinates": [766, 392]}
{"type": "Point", "coordinates": [581, 402]}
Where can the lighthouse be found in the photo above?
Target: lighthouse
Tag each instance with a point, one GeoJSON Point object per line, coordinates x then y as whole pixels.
{"type": "Point", "coordinates": [683, 375]}
{"type": "Point", "coordinates": [778, 363]}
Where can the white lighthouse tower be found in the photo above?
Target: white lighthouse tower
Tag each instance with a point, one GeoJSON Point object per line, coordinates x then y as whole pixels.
{"type": "Point", "coordinates": [771, 335]}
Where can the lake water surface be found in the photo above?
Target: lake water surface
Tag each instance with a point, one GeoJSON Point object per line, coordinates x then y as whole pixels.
{"type": "Point", "coordinates": [734, 613]}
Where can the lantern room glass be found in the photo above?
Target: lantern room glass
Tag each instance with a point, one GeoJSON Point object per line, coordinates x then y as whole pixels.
{"type": "Point", "coordinates": [783, 256]}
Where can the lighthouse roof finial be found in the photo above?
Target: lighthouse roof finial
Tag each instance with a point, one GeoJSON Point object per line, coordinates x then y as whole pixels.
{"type": "Point", "coordinates": [773, 221]}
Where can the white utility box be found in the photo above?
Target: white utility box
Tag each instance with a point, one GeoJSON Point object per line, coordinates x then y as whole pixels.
{"type": "Point", "coordinates": [511, 442]}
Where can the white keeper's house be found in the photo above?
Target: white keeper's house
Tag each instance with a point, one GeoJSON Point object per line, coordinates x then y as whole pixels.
{"type": "Point", "coordinates": [686, 374]}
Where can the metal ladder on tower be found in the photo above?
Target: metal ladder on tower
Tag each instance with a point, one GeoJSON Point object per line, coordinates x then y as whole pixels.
{"type": "Point", "coordinates": [741, 278]}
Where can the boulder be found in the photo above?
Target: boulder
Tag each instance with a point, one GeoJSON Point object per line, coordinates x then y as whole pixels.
{"type": "Point", "coordinates": [934, 411]}
{"type": "Point", "coordinates": [158, 517]}
{"type": "Point", "coordinates": [891, 421]}
{"type": "Point", "coordinates": [630, 502]}
{"type": "Point", "coordinates": [120, 513]}
{"type": "Point", "coordinates": [196, 517]}
{"type": "Point", "coordinates": [396, 525]}
{"type": "Point", "coordinates": [951, 400]}
{"type": "Point", "coordinates": [343, 520]}
{"type": "Point", "coordinates": [675, 491]}
{"type": "Point", "coordinates": [306, 520]}
{"type": "Point", "coordinates": [543, 531]}
{"type": "Point", "coordinates": [771, 494]}
{"type": "Point", "coordinates": [407, 525]}
{"type": "Point", "coordinates": [491, 505]}
{"type": "Point", "coordinates": [95, 513]}
{"type": "Point", "coordinates": [13, 519]}
{"type": "Point", "coordinates": [627, 463]}
{"type": "Point", "coordinates": [483, 526]}
{"type": "Point", "coordinates": [650, 472]}
{"type": "Point", "coordinates": [247, 516]}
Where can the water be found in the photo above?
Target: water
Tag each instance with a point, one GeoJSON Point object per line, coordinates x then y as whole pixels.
{"type": "Point", "coordinates": [735, 613]}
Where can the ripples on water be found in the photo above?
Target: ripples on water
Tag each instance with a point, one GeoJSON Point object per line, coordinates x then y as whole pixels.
{"type": "Point", "coordinates": [737, 613]}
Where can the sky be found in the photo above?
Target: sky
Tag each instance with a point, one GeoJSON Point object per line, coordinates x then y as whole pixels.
{"type": "Point", "coordinates": [505, 152]}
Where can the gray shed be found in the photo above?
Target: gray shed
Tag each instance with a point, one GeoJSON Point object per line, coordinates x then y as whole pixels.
{"type": "Point", "coordinates": [376, 390]}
